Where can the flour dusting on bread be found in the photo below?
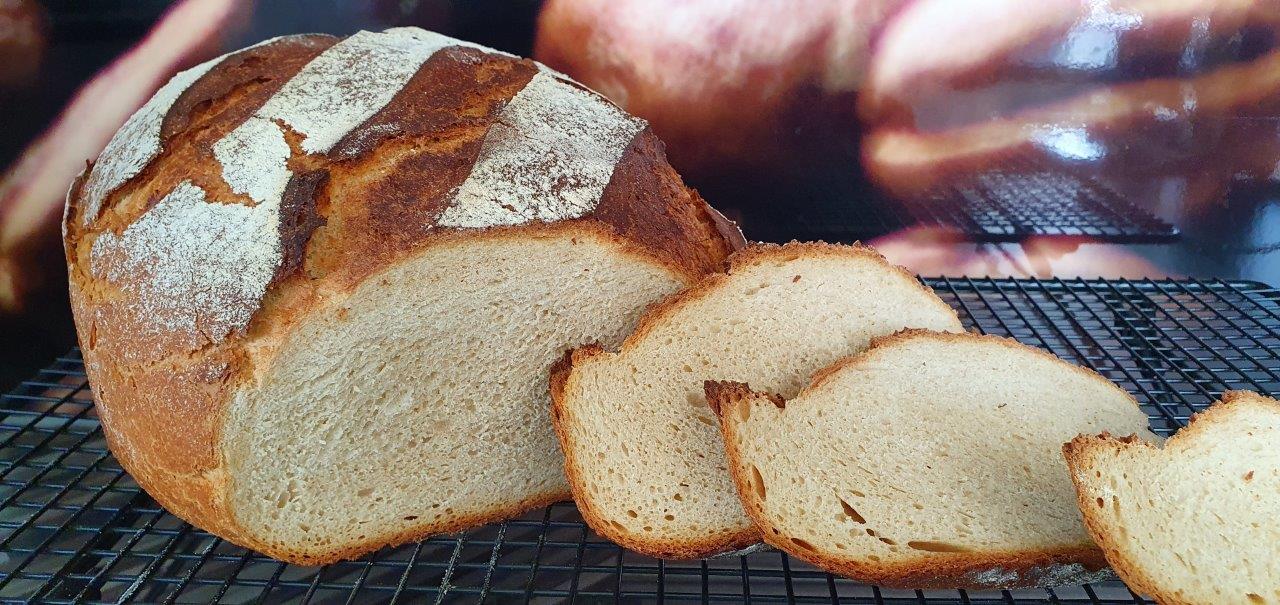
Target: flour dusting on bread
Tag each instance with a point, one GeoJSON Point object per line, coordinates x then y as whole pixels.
{"type": "Point", "coordinates": [548, 157]}
{"type": "Point", "coordinates": [252, 434]}
{"type": "Point", "coordinates": [193, 267]}
{"type": "Point", "coordinates": [346, 84]}
{"type": "Point", "coordinates": [254, 159]}
{"type": "Point", "coordinates": [137, 142]}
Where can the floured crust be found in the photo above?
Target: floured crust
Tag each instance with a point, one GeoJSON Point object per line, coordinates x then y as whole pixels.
{"type": "Point", "coordinates": [345, 215]}
{"type": "Point", "coordinates": [1084, 454]}
{"type": "Point", "coordinates": [976, 571]}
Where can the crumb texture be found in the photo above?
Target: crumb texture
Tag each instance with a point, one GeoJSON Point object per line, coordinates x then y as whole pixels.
{"type": "Point", "coordinates": [421, 398]}
{"type": "Point", "coordinates": [1194, 522]}
{"type": "Point", "coordinates": [644, 451]}
{"type": "Point", "coordinates": [929, 460]}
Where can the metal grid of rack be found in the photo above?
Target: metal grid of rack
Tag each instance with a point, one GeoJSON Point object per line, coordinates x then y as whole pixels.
{"type": "Point", "coordinates": [75, 528]}
{"type": "Point", "coordinates": [1009, 204]}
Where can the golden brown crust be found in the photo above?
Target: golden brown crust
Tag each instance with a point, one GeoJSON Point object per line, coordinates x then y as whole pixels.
{"type": "Point", "coordinates": [879, 344]}
{"type": "Point", "coordinates": [1082, 455]}
{"type": "Point", "coordinates": [662, 213]}
{"type": "Point", "coordinates": [722, 393]}
{"type": "Point", "coordinates": [562, 379]}
{"type": "Point", "coordinates": [347, 216]}
{"type": "Point", "coordinates": [764, 252]}
{"type": "Point", "coordinates": [1078, 453]}
{"type": "Point", "coordinates": [973, 571]}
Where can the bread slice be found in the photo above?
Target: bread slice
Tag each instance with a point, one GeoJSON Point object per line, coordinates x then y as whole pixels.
{"type": "Point", "coordinates": [642, 450]}
{"type": "Point", "coordinates": [1196, 521]}
{"type": "Point", "coordinates": [929, 461]}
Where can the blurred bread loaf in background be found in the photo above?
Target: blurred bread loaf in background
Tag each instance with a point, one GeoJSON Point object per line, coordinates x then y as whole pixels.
{"type": "Point", "coordinates": [730, 85]}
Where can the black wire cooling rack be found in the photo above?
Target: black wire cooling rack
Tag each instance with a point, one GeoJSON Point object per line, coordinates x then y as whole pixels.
{"type": "Point", "coordinates": [1008, 204]}
{"type": "Point", "coordinates": [75, 528]}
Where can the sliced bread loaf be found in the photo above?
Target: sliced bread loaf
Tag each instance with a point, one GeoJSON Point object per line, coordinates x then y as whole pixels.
{"type": "Point", "coordinates": [643, 453]}
{"type": "Point", "coordinates": [1196, 521]}
{"type": "Point", "coordinates": [930, 460]}
{"type": "Point", "coordinates": [319, 282]}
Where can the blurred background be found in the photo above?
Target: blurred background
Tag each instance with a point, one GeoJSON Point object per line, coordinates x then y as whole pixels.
{"type": "Point", "coordinates": [1054, 139]}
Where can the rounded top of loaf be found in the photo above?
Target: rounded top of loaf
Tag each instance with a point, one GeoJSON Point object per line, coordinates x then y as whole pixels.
{"type": "Point", "coordinates": [275, 176]}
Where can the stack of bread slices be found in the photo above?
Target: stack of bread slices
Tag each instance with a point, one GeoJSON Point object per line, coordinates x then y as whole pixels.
{"type": "Point", "coordinates": [822, 401]}
{"type": "Point", "coordinates": [321, 311]}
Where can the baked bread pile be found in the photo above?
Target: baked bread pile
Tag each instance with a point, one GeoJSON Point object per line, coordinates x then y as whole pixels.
{"type": "Point", "coordinates": [321, 286]}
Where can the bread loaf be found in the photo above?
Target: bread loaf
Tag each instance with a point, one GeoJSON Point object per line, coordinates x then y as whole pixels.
{"type": "Point", "coordinates": [748, 88]}
{"type": "Point", "coordinates": [1129, 87]}
{"type": "Point", "coordinates": [318, 283]}
{"type": "Point", "coordinates": [642, 450]}
{"type": "Point", "coordinates": [929, 461]}
{"type": "Point", "coordinates": [1195, 521]}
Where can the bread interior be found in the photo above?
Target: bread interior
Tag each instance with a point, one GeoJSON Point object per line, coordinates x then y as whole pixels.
{"type": "Point", "coordinates": [419, 402]}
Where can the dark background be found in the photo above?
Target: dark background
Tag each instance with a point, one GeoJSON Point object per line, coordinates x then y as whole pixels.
{"type": "Point", "coordinates": [1237, 236]}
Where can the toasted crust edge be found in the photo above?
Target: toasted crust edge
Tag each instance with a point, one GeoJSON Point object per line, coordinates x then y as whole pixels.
{"type": "Point", "coordinates": [743, 257]}
{"type": "Point", "coordinates": [1082, 454]}
{"type": "Point", "coordinates": [1029, 567]}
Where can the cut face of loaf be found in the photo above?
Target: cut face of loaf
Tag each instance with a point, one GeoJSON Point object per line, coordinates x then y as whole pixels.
{"type": "Point", "coordinates": [930, 460]}
{"type": "Point", "coordinates": [1196, 521]}
{"type": "Point", "coordinates": [419, 401]}
{"type": "Point", "coordinates": [643, 453]}
{"type": "Point", "coordinates": [319, 283]}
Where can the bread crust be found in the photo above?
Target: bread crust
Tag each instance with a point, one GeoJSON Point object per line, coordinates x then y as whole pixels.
{"type": "Point", "coordinates": [563, 377]}
{"type": "Point", "coordinates": [347, 217]}
{"type": "Point", "coordinates": [759, 252]}
{"type": "Point", "coordinates": [1082, 454]}
{"type": "Point", "coordinates": [977, 571]}
{"type": "Point", "coordinates": [878, 344]}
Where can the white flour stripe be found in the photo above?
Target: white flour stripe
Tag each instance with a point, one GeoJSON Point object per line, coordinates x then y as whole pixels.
{"type": "Point", "coordinates": [191, 265]}
{"type": "Point", "coordinates": [548, 157]}
{"type": "Point", "coordinates": [333, 94]}
{"type": "Point", "coordinates": [254, 159]}
{"type": "Point", "coordinates": [137, 142]}
{"type": "Point", "coordinates": [352, 80]}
